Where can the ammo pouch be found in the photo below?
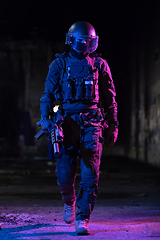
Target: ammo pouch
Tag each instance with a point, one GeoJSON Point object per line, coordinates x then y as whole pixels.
{"type": "Point", "coordinates": [79, 80]}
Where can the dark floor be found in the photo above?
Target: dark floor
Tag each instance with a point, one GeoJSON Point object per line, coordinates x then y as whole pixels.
{"type": "Point", "coordinates": [127, 207]}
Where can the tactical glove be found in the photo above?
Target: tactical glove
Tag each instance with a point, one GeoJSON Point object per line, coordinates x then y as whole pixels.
{"type": "Point", "coordinates": [111, 134]}
{"type": "Point", "coordinates": [46, 125]}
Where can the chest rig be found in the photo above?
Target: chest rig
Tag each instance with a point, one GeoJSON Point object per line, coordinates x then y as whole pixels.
{"type": "Point", "coordinates": [79, 80]}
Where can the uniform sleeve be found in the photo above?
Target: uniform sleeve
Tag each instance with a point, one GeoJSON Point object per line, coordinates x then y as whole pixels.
{"type": "Point", "coordinates": [108, 94]}
{"type": "Point", "coordinates": [51, 85]}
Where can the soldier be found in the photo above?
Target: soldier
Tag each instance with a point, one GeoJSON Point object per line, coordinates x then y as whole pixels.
{"type": "Point", "coordinates": [83, 83]}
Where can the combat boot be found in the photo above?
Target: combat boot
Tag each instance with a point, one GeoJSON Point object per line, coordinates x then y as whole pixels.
{"type": "Point", "coordinates": [69, 213]}
{"type": "Point", "coordinates": [82, 227]}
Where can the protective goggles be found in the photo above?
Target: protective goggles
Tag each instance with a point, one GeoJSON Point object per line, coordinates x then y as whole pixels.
{"type": "Point", "coordinates": [82, 43]}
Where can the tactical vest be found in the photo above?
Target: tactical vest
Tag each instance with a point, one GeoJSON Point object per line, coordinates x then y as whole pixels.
{"type": "Point", "coordinates": [79, 80]}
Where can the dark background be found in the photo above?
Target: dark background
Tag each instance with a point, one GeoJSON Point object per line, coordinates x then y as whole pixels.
{"type": "Point", "coordinates": [50, 19]}
{"type": "Point", "coordinates": [116, 22]}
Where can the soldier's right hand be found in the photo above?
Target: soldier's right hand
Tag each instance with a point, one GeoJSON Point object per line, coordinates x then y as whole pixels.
{"type": "Point", "coordinates": [46, 125]}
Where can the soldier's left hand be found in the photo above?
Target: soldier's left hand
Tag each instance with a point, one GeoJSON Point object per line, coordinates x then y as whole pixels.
{"type": "Point", "coordinates": [111, 135]}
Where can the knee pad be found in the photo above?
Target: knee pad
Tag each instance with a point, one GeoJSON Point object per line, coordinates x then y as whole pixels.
{"type": "Point", "coordinates": [63, 174]}
{"type": "Point", "coordinates": [89, 176]}
{"type": "Point", "coordinates": [66, 174]}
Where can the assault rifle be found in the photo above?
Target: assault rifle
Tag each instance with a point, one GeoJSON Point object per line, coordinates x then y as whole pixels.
{"type": "Point", "coordinates": [56, 132]}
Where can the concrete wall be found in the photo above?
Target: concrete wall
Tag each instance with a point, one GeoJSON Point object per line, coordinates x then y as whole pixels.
{"type": "Point", "coordinates": [145, 78]}
{"type": "Point", "coordinates": [24, 66]}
